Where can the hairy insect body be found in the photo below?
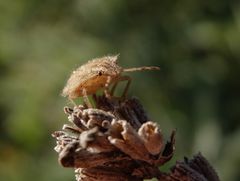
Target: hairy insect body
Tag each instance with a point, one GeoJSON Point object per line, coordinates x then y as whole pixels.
{"type": "Point", "coordinates": [92, 76]}
{"type": "Point", "coordinates": [97, 74]}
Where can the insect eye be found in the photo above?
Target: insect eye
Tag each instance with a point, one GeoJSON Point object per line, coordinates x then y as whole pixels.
{"type": "Point", "coordinates": [100, 73]}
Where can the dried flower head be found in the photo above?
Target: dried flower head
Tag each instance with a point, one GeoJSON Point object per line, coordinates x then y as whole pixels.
{"type": "Point", "coordinates": [115, 141]}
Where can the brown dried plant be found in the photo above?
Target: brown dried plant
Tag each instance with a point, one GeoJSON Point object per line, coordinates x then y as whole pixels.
{"type": "Point", "coordinates": [115, 141]}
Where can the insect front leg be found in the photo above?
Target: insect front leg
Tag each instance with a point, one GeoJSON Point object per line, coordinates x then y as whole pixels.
{"type": "Point", "coordinates": [85, 98]}
{"type": "Point", "coordinates": [71, 101]}
{"type": "Point", "coordinates": [113, 88]}
{"type": "Point", "coordinates": [121, 78]}
{"type": "Point", "coordinates": [128, 79]}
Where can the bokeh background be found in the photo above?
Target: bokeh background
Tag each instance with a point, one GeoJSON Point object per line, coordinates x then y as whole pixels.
{"type": "Point", "coordinates": [197, 91]}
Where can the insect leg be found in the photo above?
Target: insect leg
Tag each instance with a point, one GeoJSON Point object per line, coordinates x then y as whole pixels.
{"type": "Point", "coordinates": [128, 79]}
{"type": "Point", "coordinates": [122, 78]}
{"type": "Point", "coordinates": [85, 99]}
{"type": "Point", "coordinates": [113, 88]}
{"type": "Point", "coordinates": [71, 101]}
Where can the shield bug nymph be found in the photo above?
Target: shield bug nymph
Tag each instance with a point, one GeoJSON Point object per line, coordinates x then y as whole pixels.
{"type": "Point", "coordinates": [97, 74]}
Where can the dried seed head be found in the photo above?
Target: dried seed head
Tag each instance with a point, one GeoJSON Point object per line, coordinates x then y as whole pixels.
{"type": "Point", "coordinates": [94, 75]}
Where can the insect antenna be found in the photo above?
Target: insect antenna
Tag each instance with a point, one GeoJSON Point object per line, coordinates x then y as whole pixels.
{"type": "Point", "coordinates": [141, 69]}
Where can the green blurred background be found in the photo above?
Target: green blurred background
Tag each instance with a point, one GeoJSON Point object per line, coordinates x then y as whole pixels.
{"type": "Point", "coordinates": [197, 91]}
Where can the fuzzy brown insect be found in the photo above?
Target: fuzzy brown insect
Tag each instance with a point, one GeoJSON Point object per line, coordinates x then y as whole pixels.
{"type": "Point", "coordinates": [97, 74]}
